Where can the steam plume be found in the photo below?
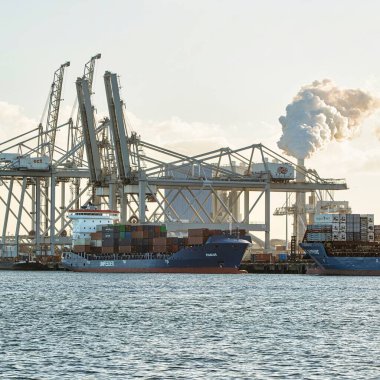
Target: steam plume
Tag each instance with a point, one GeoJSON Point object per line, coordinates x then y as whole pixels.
{"type": "Point", "coordinates": [322, 112]}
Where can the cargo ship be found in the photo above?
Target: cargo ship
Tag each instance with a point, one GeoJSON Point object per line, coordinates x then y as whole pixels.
{"type": "Point", "coordinates": [101, 245]}
{"type": "Point", "coordinates": [344, 244]}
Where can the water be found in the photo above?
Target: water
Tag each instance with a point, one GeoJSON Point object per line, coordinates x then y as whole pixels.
{"type": "Point", "coordinates": [62, 325]}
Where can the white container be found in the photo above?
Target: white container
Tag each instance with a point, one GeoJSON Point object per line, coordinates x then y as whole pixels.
{"type": "Point", "coordinates": [342, 236]}
{"type": "Point", "coordinates": [335, 218]}
{"type": "Point", "coordinates": [85, 241]}
{"type": "Point", "coordinates": [323, 218]}
{"type": "Point", "coordinates": [342, 227]}
{"type": "Point", "coordinates": [335, 227]}
{"type": "Point", "coordinates": [342, 218]}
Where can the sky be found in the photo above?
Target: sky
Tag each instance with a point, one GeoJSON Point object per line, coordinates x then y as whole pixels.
{"type": "Point", "coordinates": [220, 73]}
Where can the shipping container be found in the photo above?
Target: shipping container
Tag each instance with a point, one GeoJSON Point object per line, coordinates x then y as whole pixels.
{"type": "Point", "coordinates": [342, 218]}
{"type": "Point", "coordinates": [323, 218]}
{"type": "Point", "coordinates": [261, 257]}
{"type": "Point", "coordinates": [197, 240]}
{"type": "Point", "coordinates": [81, 248]}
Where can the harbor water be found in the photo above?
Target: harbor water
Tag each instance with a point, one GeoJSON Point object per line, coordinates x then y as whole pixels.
{"type": "Point", "coordinates": [63, 325]}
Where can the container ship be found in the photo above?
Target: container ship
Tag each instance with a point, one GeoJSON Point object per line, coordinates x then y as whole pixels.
{"type": "Point", "coordinates": [101, 245]}
{"type": "Point", "coordinates": [344, 244]}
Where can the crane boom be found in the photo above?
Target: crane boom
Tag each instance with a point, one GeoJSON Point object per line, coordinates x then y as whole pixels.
{"type": "Point", "coordinates": [88, 127]}
{"type": "Point", "coordinates": [88, 74]}
{"type": "Point", "coordinates": [54, 104]}
{"type": "Point", "coordinates": [118, 130]}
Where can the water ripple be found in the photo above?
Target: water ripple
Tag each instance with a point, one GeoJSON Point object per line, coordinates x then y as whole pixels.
{"type": "Point", "coordinates": [61, 325]}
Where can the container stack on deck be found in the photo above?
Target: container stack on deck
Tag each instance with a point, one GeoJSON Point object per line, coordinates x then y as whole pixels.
{"type": "Point", "coordinates": [376, 232]}
{"type": "Point", "coordinates": [342, 227]}
{"type": "Point", "coordinates": [82, 245]}
{"type": "Point", "coordinates": [198, 236]}
{"type": "Point", "coordinates": [144, 238]}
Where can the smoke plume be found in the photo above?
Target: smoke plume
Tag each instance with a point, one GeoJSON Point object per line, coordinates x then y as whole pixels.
{"type": "Point", "coordinates": [322, 112]}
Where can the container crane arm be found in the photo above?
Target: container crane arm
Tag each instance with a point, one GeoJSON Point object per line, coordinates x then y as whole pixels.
{"type": "Point", "coordinates": [88, 127]}
{"type": "Point", "coordinates": [118, 129]}
{"type": "Point", "coordinates": [89, 69]}
{"type": "Point", "coordinates": [76, 136]}
{"type": "Point", "coordinates": [53, 110]}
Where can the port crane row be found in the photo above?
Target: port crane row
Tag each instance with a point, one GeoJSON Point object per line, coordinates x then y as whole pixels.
{"type": "Point", "coordinates": [105, 162]}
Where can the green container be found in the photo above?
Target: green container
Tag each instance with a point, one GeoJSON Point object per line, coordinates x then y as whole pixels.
{"type": "Point", "coordinates": [163, 228]}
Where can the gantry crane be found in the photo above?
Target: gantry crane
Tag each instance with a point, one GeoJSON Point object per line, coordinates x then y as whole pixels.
{"type": "Point", "coordinates": [145, 175]}
{"type": "Point", "coordinates": [53, 110]}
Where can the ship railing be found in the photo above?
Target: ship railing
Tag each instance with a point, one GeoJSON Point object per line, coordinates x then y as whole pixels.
{"type": "Point", "coordinates": [126, 256]}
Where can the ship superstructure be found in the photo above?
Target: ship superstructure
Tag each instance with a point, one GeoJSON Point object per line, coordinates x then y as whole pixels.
{"type": "Point", "coordinates": [86, 219]}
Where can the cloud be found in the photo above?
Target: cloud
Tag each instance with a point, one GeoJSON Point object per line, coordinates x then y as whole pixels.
{"type": "Point", "coordinates": [188, 138]}
{"type": "Point", "coordinates": [13, 121]}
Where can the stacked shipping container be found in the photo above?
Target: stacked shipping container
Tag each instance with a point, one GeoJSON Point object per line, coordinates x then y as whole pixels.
{"type": "Point", "coordinates": [376, 232]}
{"type": "Point", "coordinates": [342, 227]}
{"type": "Point", "coordinates": [138, 239]}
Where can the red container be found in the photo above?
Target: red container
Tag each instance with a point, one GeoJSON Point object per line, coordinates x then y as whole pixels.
{"type": "Point", "coordinates": [196, 240]}
{"type": "Point", "coordinates": [159, 241]}
{"type": "Point", "coordinates": [137, 234]}
{"type": "Point", "coordinates": [82, 248]}
{"type": "Point", "coordinates": [199, 232]}
{"type": "Point", "coordinates": [125, 249]}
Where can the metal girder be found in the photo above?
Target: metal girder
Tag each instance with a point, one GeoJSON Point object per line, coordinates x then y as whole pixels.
{"type": "Point", "coordinates": [88, 126]}
{"type": "Point", "coordinates": [172, 227]}
{"type": "Point", "coordinates": [54, 104]}
{"type": "Point", "coordinates": [247, 184]}
{"type": "Point", "coordinates": [117, 125]}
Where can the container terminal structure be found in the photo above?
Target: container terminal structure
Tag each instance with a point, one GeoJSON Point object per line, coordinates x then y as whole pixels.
{"type": "Point", "coordinates": [56, 167]}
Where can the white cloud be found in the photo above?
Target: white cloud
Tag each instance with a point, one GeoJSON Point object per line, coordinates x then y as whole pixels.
{"type": "Point", "coordinates": [13, 121]}
{"type": "Point", "coordinates": [188, 138]}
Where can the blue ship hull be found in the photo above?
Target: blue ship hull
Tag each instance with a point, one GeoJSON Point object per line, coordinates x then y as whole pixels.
{"type": "Point", "coordinates": [342, 265]}
{"type": "Point", "coordinates": [217, 255]}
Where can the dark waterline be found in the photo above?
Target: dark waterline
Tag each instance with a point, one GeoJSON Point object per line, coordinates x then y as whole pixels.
{"type": "Point", "coordinates": [62, 325]}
